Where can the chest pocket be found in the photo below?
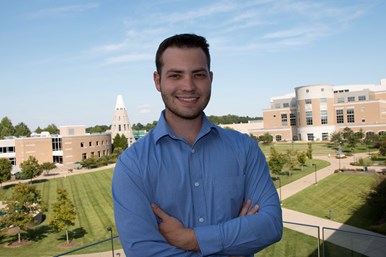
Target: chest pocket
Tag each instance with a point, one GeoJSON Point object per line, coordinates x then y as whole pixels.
{"type": "Point", "coordinates": [228, 196]}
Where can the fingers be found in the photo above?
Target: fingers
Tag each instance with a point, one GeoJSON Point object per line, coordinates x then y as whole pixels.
{"type": "Point", "coordinates": [245, 209]}
{"type": "Point", "coordinates": [159, 212]}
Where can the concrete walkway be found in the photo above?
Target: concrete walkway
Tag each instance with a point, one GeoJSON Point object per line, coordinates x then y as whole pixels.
{"type": "Point", "coordinates": [359, 240]}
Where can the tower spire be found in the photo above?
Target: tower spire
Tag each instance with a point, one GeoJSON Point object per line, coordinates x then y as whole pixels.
{"type": "Point", "coordinates": [121, 124]}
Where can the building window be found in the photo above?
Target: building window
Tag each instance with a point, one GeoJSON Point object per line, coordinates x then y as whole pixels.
{"type": "Point", "coordinates": [119, 127]}
{"type": "Point", "coordinates": [323, 117]}
{"type": "Point", "coordinates": [285, 105]}
{"type": "Point", "coordinates": [84, 156]}
{"type": "Point", "coordinates": [340, 100]}
{"type": "Point", "coordinates": [81, 144]}
{"type": "Point", "coordinates": [339, 116]}
{"type": "Point", "coordinates": [56, 144]}
{"type": "Point", "coordinates": [350, 115]}
{"type": "Point", "coordinates": [308, 101]}
{"type": "Point", "coordinates": [308, 118]}
{"type": "Point", "coordinates": [293, 119]}
{"type": "Point", "coordinates": [362, 98]}
{"type": "Point", "coordinates": [90, 143]}
{"type": "Point", "coordinates": [322, 89]}
{"type": "Point", "coordinates": [58, 159]}
{"type": "Point", "coordinates": [324, 136]}
{"type": "Point", "coordinates": [277, 106]}
{"type": "Point", "coordinates": [323, 100]}
{"type": "Point", "coordinates": [284, 121]}
{"type": "Point", "coordinates": [351, 99]}
{"type": "Point", "coordinates": [278, 138]}
{"type": "Point", "coordinates": [310, 136]}
{"type": "Point", "coordinates": [97, 143]}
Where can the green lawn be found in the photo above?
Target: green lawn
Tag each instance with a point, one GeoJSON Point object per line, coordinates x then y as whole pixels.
{"type": "Point", "coordinates": [342, 194]}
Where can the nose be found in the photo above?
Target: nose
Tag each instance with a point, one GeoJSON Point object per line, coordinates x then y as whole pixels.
{"type": "Point", "coordinates": [189, 83]}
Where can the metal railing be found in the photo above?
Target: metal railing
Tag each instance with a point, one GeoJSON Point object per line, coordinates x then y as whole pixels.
{"type": "Point", "coordinates": [299, 240]}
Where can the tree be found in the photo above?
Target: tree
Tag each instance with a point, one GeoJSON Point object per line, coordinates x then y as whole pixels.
{"type": "Point", "coordinates": [336, 138]}
{"type": "Point", "coordinates": [47, 166]}
{"type": "Point", "coordinates": [31, 168]}
{"type": "Point", "coordinates": [382, 147]}
{"type": "Point", "coordinates": [22, 129]}
{"type": "Point", "coordinates": [302, 158]}
{"type": "Point", "coordinates": [6, 128]}
{"type": "Point", "coordinates": [52, 129]}
{"type": "Point", "coordinates": [64, 213]}
{"type": "Point", "coordinates": [120, 141]}
{"type": "Point", "coordinates": [38, 130]}
{"type": "Point", "coordinates": [5, 170]}
{"type": "Point", "coordinates": [21, 206]}
{"type": "Point", "coordinates": [309, 151]}
{"type": "Point", "coordinates": [267, 138]}
{"type": "Point", "coordinates": [276, 161]}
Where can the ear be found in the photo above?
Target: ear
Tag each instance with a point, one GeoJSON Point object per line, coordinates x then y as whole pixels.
{"type": "Point", "coordinates": [157, 81]}
{"type": "Point", "coordinates": [211, 76]}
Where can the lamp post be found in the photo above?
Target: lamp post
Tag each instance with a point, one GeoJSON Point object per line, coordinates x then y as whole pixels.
{"type": "Point", "coordinates": [112, 241]}
{"type": "Point", "coordinates": [316, 179]}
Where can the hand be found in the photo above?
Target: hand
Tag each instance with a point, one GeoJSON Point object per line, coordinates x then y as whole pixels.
{"type": "Point", "coordinates": [174, 231]}
{"type": "Point", "coordinates": [245, 209]}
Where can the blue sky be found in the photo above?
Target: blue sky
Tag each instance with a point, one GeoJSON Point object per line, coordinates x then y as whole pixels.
{"type": "Point", "coordinates": [65, 61]}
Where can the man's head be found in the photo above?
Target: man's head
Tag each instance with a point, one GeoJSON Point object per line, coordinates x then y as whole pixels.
{"type": "Point", "coordinates": [181, 41]}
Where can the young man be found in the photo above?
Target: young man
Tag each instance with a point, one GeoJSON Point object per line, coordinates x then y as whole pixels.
{"type": "Point", "coordinates": [189, 187]}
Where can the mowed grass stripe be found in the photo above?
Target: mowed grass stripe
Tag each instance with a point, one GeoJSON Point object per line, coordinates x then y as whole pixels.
{"type": "Point", "coordinates": [343, 194]}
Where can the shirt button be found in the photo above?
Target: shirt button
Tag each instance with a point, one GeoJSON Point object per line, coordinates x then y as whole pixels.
{"type": "Point", "coordinates": [201, 220]}
{"type": "Point", "coordinates": [193, 151]}
{"type": "Point", "coordinates": [196, 184]}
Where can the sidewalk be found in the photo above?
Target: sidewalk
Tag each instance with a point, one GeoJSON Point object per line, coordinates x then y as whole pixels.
{"type": "Point", "coordinates": [357, 241]}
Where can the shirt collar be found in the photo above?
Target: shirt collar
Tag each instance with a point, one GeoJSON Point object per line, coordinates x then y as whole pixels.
{"type": "Point", "coordinates": [162, 128]}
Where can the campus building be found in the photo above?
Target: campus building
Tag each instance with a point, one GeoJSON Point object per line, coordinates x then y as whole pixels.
{"type": "Point", "coordinates": [314, 112]}
{"type": "Point", "coordinates": [72, 145]}
{"type": "Point", "coordinates": [121, 124]}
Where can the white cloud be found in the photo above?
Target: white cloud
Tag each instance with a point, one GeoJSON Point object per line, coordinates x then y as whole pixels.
{"type": "Point", "coordinates": [128, 58]}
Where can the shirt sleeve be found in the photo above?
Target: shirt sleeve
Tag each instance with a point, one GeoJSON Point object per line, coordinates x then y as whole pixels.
{"type": "Point", "coordinates": [248, 234]}
{"type": "Point", "coordinates": [136, 223]}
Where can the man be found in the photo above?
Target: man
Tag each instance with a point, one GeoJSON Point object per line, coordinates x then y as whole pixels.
{"type": "Point", "coordinates": [189, 187]}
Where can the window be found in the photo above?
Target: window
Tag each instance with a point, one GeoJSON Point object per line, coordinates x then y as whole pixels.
{"type": "Point", "coordinates": [350, 115]}
{"type": "Point", "coordinates": [323, 117]}
{"type": "Point", "coordinates": [310, 137]}
{"type": "Point", "coordinates": [324, 136]}
{"type": "Point", "coordinates": [56, 144]}
{"type": "Point", "coordinates": [58, 159]}
{"type": "Point", "coordinates": [362, 98]}
{"type": "Point", "coordinates": [340, 100]}
{"type": "Point", "coordinates": [308, 118]}
{"type": "Point", "coordinates": [323, 100]}
{"type": "Point", "coordinates": [284, 121]}
{"type": "Point", "coordinates": [81, 144]}
{"type": "Point", "coordinates": [308, 101]}
{"type": "Point", "coordinates": [84, 156]}
{"type": "Point", "coordinates": [277, 106]}
{"type": "Point", "coordinates": [351, 99]}
{"type": "Point", "coordinates": [293, 119]}
{"type": "Point", "coordinates": [119, 127]}
{"type": "Point", "coordinates": [278, 138]}
{"type": "Point", "coordinates": [90, 143]}
{"type": "Point", "coordinates": [285, 105]}
{"type": "Point", "coordinates": [322, 89]}
{"type": "Point", "coordinates": [339, 116]}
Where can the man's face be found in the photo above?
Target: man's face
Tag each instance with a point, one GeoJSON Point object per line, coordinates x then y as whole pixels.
{"type": "Point", "coordinates": [185, 82]}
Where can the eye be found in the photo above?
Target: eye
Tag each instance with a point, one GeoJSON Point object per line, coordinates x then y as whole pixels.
{"type": "Point", "coordinates": [200, 75]}
{"type": "Point", "coordinates": [174, 76]}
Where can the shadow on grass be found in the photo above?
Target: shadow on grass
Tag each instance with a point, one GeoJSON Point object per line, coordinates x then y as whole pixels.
{"type": "Point", "coordinates": [38, 233]}
{"type": "Point", "coordinates": [74, 234]}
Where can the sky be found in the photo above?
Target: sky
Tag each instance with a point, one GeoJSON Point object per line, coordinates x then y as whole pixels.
{"type": "Point", "coordinates": [66, 61]}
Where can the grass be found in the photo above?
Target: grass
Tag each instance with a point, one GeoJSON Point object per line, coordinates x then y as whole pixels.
{"type": "Point", "coordinates": [91, 194]}
{"type": "Point", "coordinates": [342, 194]}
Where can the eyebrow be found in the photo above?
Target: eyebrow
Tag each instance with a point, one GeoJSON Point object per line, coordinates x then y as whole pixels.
{"type": "Point", "coordinates": [182, 71]}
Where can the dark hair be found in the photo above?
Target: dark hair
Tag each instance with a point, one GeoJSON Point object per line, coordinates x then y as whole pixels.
{"type": "Point", "coordinates": [180, 41]}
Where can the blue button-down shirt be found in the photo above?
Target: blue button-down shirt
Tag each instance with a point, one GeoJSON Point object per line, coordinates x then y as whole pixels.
{"type": "Point", "coordinates": [202, 185]}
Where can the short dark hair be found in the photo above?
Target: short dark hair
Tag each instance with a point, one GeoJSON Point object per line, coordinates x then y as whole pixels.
{"type": "Point", "coordinates": [180, 41]}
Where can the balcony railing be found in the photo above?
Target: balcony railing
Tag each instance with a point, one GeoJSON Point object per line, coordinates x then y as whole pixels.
{"type": "Point", "coordinates": [299, 240]}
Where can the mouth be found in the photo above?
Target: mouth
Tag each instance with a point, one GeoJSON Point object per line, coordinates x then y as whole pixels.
{"type": "Point", "coordinates": [187, 99]}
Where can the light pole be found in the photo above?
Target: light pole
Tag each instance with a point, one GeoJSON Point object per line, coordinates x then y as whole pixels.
{"type": "Point", "coordinates": [316, 179]}
{"type": "Point", "coordinates": [112, 239]}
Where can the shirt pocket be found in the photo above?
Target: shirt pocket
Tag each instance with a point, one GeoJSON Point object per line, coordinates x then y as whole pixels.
{"type": "Point", "coordinates": [228, 196]}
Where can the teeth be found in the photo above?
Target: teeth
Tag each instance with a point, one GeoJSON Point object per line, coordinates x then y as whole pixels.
{"type": "Point", "coordinates": [188, 99]}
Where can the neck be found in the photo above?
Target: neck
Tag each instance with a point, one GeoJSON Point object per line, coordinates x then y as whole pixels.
{"type": "Point", "coordinates": [188, 129]}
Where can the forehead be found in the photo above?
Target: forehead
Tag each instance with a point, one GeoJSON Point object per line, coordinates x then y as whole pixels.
{"type": "Point", "coordinates": [176, 57]}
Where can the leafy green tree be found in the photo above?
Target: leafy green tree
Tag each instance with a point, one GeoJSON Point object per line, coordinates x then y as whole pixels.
{"type": "Point", "coordinates": [276, 161]}
{"type": "Point", "coordinates": [382, 147]}
{"type": "Point", "coordinates": [22, 129]}
{"type": "Point", "coordinates": [64, 213]}
{"type": "Point", "coordinates": [97, 129]}
{"type": "Point", "coordinates": [120, 141]}
{"type": "Point", "coordinates": [47, 166]}
{"type": "Point", "coordinates": [292, 159]}
{"type": "Point", "coordinates": [5, 170]}
{"type": "Point", "coordinates": [302, 158]}
{"type": "Point", "coordinates": [90, 163]}
{"type": "Point", "coordinates": [31, 168]}
{"type": "Point", "coordinates": [267, 138]}
{"type": "Point", "coordinates": [38, 130]}
{"type": "Point", "coordinates": [6, 128]}
{"type": "Point", "coordinates": [309, 151]}
{"type": "Point", "coordinates": [21, 206]}
{"type": "Point", "coordinates": [52, 129]}
{"type": "Point", "coordinates": [336, 138]}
